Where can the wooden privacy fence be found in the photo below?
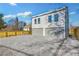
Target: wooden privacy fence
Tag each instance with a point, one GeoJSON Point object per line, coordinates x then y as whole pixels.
{"type": "Point", "coordinates": [14, 33]}
{"type": "Point", "coordinates": [75, 32]}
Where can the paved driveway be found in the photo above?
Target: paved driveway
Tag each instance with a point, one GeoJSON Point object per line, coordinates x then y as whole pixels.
{"type": "Point", "coordinates": [38, 45]}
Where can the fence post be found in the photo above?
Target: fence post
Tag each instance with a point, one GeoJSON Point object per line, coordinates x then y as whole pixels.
{"type": "Point", "coordinates": [6, 34]}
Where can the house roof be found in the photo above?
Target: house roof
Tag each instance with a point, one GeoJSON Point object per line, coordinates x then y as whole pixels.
{"type": "Point", "coordinates": [27, 26]}
{"type": "Point", "coordinates": [49, 12]}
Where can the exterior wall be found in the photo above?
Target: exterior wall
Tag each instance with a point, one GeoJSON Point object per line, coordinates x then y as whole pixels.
{"type": "Point", "coordinates": [62, 22]}
{"type": "Point", "coordinates": [37, 31]}
{"type": "Point", "coordinates": [54, 31]}
{"type": "Point", "coordinates": [44, 20]}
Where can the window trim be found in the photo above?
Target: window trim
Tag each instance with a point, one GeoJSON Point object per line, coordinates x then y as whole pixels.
{"type": "Point", "coordinates": [38, 20]}
{"type": "Point", "coordinates": [50, 18]}
{"type": "Point", "coordinates": [56, 17]}
{"type": "Point", "coordinates": [35, 21]}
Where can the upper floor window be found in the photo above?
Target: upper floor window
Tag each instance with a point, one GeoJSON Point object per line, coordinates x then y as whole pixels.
{"type": "Point", "coordinates": [56, 16]}
{"type": "Point", "coordinates": [50, 18]}
{"type": "Point", "coordinates": [38, 20]}
{"type": "Point", "coordinates": [35, 21]}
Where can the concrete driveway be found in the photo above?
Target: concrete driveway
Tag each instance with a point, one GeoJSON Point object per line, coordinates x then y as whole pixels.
{"type": "Point", "coordinates": [38, 46]}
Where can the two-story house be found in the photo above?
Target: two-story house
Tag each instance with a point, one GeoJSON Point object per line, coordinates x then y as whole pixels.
{"type": "Point", "coordinates": [49, 23]}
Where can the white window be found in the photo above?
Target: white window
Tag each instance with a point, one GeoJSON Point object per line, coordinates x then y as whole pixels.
{"type": "Point", "coordinates": [35, 21]}
{"type": "Point", "coordinates": [38, 20]}
{"type": "Point", "coordinates": [50, 18]}
{"type": "Point", "coordinates": [56, 16]}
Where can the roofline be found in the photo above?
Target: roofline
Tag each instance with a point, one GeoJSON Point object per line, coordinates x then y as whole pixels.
{"type": "Point", "coordinates": [49, 12]}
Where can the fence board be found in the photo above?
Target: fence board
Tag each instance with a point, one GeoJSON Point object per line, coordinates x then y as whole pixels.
{"type": "Point", "coordinates": [14, 33]}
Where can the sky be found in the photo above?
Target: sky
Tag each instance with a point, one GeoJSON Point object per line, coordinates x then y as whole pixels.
{"type": "Point", "coordinates": [24, 11]}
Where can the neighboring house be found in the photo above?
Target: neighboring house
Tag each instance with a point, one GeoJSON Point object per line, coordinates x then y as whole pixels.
{"type": "Point", "coordinates": [27, 28]}
{"type": "Point", "coordinates": [48, 23]}
{"type": "Point", "coordinates": [21, 25]}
